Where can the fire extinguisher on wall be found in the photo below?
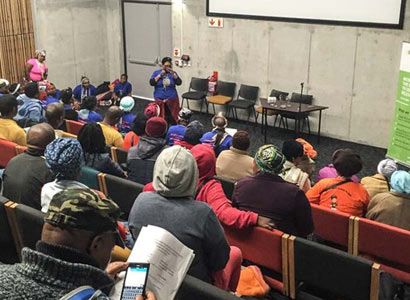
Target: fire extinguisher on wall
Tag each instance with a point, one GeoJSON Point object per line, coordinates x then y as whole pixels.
{"type": "Point", "coordinates": [212, 80]}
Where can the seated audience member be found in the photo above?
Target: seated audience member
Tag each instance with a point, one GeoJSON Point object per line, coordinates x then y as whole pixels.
{"type": "Point", "coordinates": [85, 89]}
{"type": "Point", "coordinates": [31, 112]}
{"type": "Point", "coordinates": [173, 208]}
{"type": "Point", "coordinates": [177, 132]}
{"type": "Point", "coordinates": [123, 86]}
{"type": "Point", "coordinates": [294, 153]}
{"type": "Point", "coordinates": [307, 163]}
{"type": "Point", "coordinates": [51, 94]}
{"type": "Point", "coordinates": [152, 110]}
{"type": "Point", "coordinates": [4, 87]}
{"type": "Point", "coordinates": [9, 130]}
{"type": "Point", "coordinates": [16, 89]}
{"type": "Point", "coordinates": [330, 171]}
{"type": "Point", "coordinates": [26, 173]}
{"type": "Point", "coordinates": [267, 194]}
{"type": "Point", "coordinates": [55, 117]}
{"type": "Point", "coordinates": [141, 158]}
{"type": "Point", "coordinates": [111, 134]}
{"type": "Point", "coordinates": [126, 105]}
{"type": "Point", "coordinates": [218, 137]}
{"type": "Point", "coordinates": [132, 138]}
{"type": "Point", "coordinates": [88, 114]}
{"type": "Point", "coordinates": [193, 133]}
{"type": "Point", "coordinates": [79, 233]}
{"type": "Point", "coordinates": [341, 193]}
{"type": "Point", "coordinates": [393, 208]}
{"type": "Point", "coordinates": [235, 163]}
{"type": "Point", "coordinates": [66, 97]}
{"type": "Point", "coordinates": [92, 141]}
{"type": "Point", "coordinates": [64, 157]}
{"type": "Point", "coordinates": [380, 182]}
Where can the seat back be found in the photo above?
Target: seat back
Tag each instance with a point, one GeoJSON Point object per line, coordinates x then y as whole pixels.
{"type": "Point", "coordinates": [121, 191]}
{"type": "Point", "coordinates": [199, 84]}
{"type": "Point", "coordinates": [278, 94]}
{"type": "Point", "coordinates": [387, 243]}
{"type": "Point", "coordinates": [68, 135]}
{"type": "Point", "coordinates": [119, 155]}
{"type": "Point", "coordinates": [306, 99]}
{"type": "Point", "coordinates": [226, 88]}
{"type": "Point", "coordinates": [227, 185]}
{"type": "Point", "coordinates": [8, 151]}
{"type": "Point", "coordinates": [141, 170]}
{"type": "Point", "coordinates": [73, 127]}
{"type": "Point", "coordinates": [8, 253]}
{"type": "Point", "coordinates": [20, 149]}
{"type": "Point", "coordinates": [248, 92]}
{"type": "Point", "coordinates": [90, 178]}
{"type": "Point", "coordinates": [333, 226]}
{"type": "Point", "coordinates": [265, 248]}
{"type": "Point", "coordinates": [331, 273]}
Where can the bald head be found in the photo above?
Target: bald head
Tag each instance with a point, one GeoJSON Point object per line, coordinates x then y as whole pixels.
{"type": "Point", "coordinates": [113, 115]}
{"type": "Point", "coordinates": [55, 114]}
{"type": "Point", "coordinates": [39, 136]}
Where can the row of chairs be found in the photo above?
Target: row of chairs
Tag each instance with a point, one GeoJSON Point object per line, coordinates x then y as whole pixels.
{"type": "Point", "coordinates": [22, 226]}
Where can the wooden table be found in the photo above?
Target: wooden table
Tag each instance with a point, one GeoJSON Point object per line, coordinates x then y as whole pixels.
{"type": "Point", "coordinates": [290, 108]}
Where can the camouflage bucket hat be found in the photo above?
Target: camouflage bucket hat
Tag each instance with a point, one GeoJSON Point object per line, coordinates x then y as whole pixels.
{"type": "Point", "coordinates": [81, 209]}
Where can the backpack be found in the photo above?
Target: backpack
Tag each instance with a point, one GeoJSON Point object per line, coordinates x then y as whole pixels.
{"type": "Point", "coordinates": [84, 292]}
{"type": "Point", "coordinates": [102, 88]}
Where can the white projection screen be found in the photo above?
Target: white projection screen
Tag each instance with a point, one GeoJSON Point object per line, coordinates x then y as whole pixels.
{"type": "Point", "coordinates": [369, 13]}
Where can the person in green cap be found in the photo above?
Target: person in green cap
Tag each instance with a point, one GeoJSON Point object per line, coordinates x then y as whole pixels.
{"type": "Point", "coordinates": [268, 195]}
{"type": "Point", "coordinates": [79, 233]}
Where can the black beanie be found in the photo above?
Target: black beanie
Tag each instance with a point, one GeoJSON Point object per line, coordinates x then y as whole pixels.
{"type": "Point", "coordinates": [347, 163]}
{"type": "Point", "coordinates": [292, 149]}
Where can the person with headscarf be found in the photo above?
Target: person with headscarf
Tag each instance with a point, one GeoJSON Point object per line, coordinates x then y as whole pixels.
{"type": "Point", "coordinates": [164, 82]}
{"type": "Point", "coordinates": [294, 153]}
{"type": "Point", "coordinates": [393, 208]}
{"type": "Point", "coordinates": [330, 171]}
{"type": "Point", "coordinates": [380, 182]}
{"type": "Point", "coordinates": [268, 195]}
{"type": "Point", "coordinates": [176, 132]}
{"type": "Point", "coordinates": [4, 87]}
{"type": "Point", "coordinates": [85, 89]}
{"type": "Point", "coordinates": [125, 124]}
{"type": "Point", "coordinates": [36, 68]}
{"type": "Point", "coordinates": [15, 89]}
{"type": "Point", "coordinates": [64, 158]}
{"type": "Point", "coordinates": [218, 138]}
{"type": "Point", "coordinates": [342, 193]}
{"type": "Point", "coordinates": [194, 223]}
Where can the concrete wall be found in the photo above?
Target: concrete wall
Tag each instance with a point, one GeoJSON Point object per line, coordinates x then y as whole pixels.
{"type": "Point", "coordinates": [82, 37]}
{"type": "Point", "coordinates": [352, 70]}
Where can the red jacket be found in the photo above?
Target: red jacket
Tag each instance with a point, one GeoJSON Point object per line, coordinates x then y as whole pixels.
{"type": "Point", "coordinates": [212, 193]}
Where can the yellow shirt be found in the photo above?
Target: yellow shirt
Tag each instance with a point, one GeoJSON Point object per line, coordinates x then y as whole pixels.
{"type": "Point", "coordinates": [112, 136]}
{"type": "Point", "coordinates": [10, 131]}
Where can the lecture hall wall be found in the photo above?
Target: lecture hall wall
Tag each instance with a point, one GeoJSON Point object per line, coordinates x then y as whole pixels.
{"type": "Point", "coordinates": [352, 70]}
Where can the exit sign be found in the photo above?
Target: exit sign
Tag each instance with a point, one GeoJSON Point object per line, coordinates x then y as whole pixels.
{"type": "Point", "coordinates": [215, 22]}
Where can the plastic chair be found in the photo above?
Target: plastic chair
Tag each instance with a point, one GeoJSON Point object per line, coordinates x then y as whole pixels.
{"type": "Point", "coordinates": [8, 151]}
{"type": "Point", "coordinates": [198, 89]}
{"type": "Point", "coordinates": [306, 99]}
{"type": "Point", "coordinates": [73, 127]}
{"type": "Point", "coordinates": [274, 93]}
{"type": "Point", "coordinates": [224, 94]}
{"type": "Point", "coordinates": [247, 97]}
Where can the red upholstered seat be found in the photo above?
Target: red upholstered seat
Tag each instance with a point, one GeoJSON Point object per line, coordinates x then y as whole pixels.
{"type": "Point", "coordinates": [73, 127]}
{"type": "Point", "coordinates": [263, 248]}
{"type": "Point", "coordinates": [332, 225]}
{"type": "Point", "coordinates": [387, 245]}
{"type": "Point", "coordinates": [8, 151]}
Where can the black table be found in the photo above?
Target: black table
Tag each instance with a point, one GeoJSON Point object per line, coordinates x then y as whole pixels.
{"type": "Point", "coordinates": [290, 108]}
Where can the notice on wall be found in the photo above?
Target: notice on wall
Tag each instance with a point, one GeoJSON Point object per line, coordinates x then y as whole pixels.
{"type": "Point", "coordinates": [399, 148]}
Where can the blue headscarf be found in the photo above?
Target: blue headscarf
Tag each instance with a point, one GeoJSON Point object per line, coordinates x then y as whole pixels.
{"type": "Point", "coordinates": [64, 157]}
{"type": "Point", "coordinates": [400, 182]}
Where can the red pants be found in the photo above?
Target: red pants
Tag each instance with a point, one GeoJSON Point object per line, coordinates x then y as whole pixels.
{"type": "Point", "coordinates": [169, 109]}
{"type": "Point", "coordinates": [228, 278]}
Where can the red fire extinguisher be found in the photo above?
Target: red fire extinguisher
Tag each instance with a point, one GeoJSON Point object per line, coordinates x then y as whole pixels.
{"type": "Point", "coordinates": [212, 80]}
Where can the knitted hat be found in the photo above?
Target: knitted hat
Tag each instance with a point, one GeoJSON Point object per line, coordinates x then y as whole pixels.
{"type": "Point", "coordinates": [152, 110]}
{"type": "Point", "coordinates": [64, 157]}
{"type": "Point", "coordinates": [387, 167]}
{"type": "Point", "coordinates": [400, 182]}
{"type": "Point", "coordinates": [347, 163]}
{"type": "Point", "coordinates": [193, 132]}
{"type": "Point", "coordinates": [292, 149]}
{"type": "Point", "coordinates": [156, 127]}
{"type": "Point", "coordinates": [269, 159]}
{"type": "Point", "coordinates": [127, 103]}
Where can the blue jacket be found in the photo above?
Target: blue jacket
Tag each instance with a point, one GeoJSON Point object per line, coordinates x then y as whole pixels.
{"type": "Point", "coordinates": [175, 133]}
{"type": "Point", "coordinates": [87, 116]}
{"type": "Point", "coordinates": [31, 109]}
{"type": "Point", "coordinates": [125, 88]}
{"type": "Point", "coordinates": [51, 99]}
{"type": "Point", "coordinates": [209, 138]}
{"type": "Point", "coordinates": [126, 122]}
{"type": "Point", "coordinates": [161, 92]}
{"type": "Point", "coordinates": [77, 92]}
